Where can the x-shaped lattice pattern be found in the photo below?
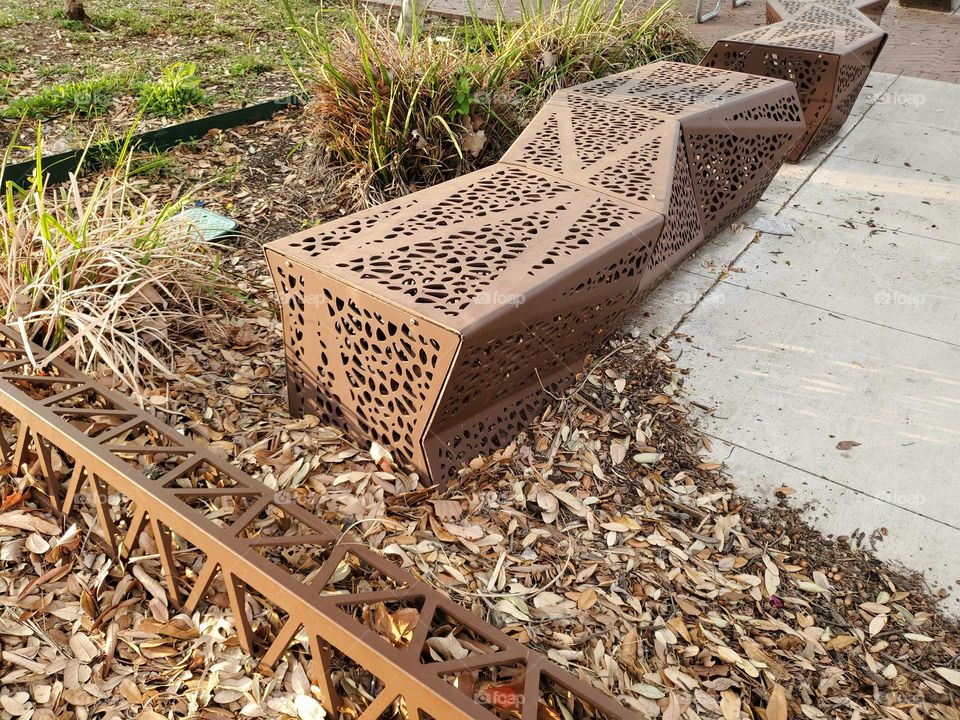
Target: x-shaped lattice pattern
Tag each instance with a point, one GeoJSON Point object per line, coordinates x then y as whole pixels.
{"type": "Point", "coordinates": [362, 620]}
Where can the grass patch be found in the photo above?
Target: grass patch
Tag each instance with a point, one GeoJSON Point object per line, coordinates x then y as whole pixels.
{"type": "Point", "coordinates": [250, 64]}
{"type": "Point", "coordinates": [99, 272]}
{"type": "Point", "coordinates": [126, 21]}
{"type": "Point", "coordinates": [49, 71]}
{"type": "Point", "coordinates": [395, 115]}
{"type": "Point", "coordinates": [216, 35]}
{"type": "Point", "coordinates": [175, 93]}
{"type": "Point", "coordinates": [13, 14]}
{"type": "Point", "coordinates": [81, 97]}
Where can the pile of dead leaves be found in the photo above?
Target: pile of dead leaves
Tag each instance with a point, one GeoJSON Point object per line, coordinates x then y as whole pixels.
{"type": "Point", "coordinates": [603, 537]}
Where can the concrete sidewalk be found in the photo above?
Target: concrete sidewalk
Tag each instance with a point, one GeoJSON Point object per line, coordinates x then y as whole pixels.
{"type": "Point", "coordinates": [848, 330]}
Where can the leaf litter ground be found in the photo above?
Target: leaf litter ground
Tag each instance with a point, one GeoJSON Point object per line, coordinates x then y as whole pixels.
{"type": "Point", "coordinates": [605, 536]}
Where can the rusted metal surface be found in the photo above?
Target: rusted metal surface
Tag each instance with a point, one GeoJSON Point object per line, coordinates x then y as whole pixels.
{"type": "Point", "coordinates": [680, 140]}
{"type": "Point", "coordinates": [218, 530]}
{"type": "Point", "coordinates": [872, 9]}
{"type": "Point", "coordinates": [825, 47]}
{"type": "Point", "coordinates": [434, 323]}
{"type": "Point", "coordinates": [827, 12]}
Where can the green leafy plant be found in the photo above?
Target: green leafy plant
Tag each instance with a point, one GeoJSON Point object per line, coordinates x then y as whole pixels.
{"type": "Point", "coordinates": [99, 272]}
{"type": "Point", "coordinates": [177, 91]}
{"type": "Point", "coordinates": [84, 97]}
{"type": "Point", "coordinates": [464, 98]}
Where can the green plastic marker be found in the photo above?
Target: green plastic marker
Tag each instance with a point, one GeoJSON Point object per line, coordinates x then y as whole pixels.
{"type": "Point", "coordinates": [211, 225]}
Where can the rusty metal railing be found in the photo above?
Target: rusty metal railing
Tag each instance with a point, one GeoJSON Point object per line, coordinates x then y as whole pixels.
{"type": "Point", "coordinates": [365, 623]}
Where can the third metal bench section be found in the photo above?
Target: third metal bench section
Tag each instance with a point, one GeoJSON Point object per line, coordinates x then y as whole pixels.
{"type": "Point", "coordinates": [826, 47]}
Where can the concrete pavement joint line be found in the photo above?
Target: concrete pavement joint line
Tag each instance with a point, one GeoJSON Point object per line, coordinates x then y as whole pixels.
{"type": "Point", "coordinates": [890, 165]}
{"type": "Point", "coordinates": [895, 165]}
{"type": "Point", "coordinates": [841, 313]}
{"type": "Point", "coordinates": [833, 482]}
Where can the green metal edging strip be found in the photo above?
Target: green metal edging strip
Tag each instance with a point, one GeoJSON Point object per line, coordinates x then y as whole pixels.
{"type": "Point", "coordinates": [58, 167]}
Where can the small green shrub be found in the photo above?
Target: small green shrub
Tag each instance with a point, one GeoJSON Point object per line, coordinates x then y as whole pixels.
{"type": "Point", "coordinates": [83, 97]}
{"type": "Point", "coordinates": [176, 92]}
{"type": "Point", "coordinates": [101, 273]}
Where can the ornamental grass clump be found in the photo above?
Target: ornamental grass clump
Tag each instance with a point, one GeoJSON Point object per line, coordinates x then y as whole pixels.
{"type": "Point", "coordinates": [100, 273]}
{"type": "Point", "coordinates": [558, 44]}
{"type": "Point", "coordinates": [392, 112]}
{"type": "Point", "coordinates": [393, 115]}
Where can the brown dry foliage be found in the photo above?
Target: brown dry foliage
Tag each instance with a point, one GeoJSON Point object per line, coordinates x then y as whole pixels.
{"type": "Point", "coordinates": [602, 537]}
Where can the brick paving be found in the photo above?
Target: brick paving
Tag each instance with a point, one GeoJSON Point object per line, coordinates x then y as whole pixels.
{"type": "Point", "coordinates": [922, 43]}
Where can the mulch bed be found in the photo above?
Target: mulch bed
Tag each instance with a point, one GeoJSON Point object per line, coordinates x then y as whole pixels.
{"type": "Point", "coordinates": [603, 536]}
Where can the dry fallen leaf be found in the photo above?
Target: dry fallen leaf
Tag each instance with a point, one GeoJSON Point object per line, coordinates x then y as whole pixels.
{"type": "Point", "coordinates": [473, 142]}
{"type": "Point", "coordinates": [241, 392]}
{"type": "Point", "coordinates": [777, 705]}
{"type": "Point", "coordinates": [651, 577]}
{"type": "Point", "coordinates": [847, 444]}
{"type": "Point", "coordinates": [949, 674]}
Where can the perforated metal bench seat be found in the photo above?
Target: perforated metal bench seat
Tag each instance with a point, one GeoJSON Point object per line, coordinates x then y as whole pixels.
{"type": "Point", "coordinates": [827, 12]}
{"type": "Point", "coordinates": [827, 48]}
{"type": "Point", "coordinates": [695, 144]}
{"type": "Point", "coordinates": [432, 324]}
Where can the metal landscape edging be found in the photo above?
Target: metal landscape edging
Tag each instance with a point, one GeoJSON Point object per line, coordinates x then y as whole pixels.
{"type": "Point", "coordinates": [58, 168]}
{"type": "Point", "coordinates": [89, 444]}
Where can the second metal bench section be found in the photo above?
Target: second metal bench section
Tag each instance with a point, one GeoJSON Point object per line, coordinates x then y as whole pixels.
{"type": "Point", "coordinates": [434, 323]}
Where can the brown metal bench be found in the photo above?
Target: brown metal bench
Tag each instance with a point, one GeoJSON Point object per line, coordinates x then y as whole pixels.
{"type": "Point", "coordinates": [429, 324]}
{"type": "Point", "coordinates": [827, 48]}
{"type": "Point", "coordinates": [710, 144]}
{"type": "Point", "coordinates": [434, 323]}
